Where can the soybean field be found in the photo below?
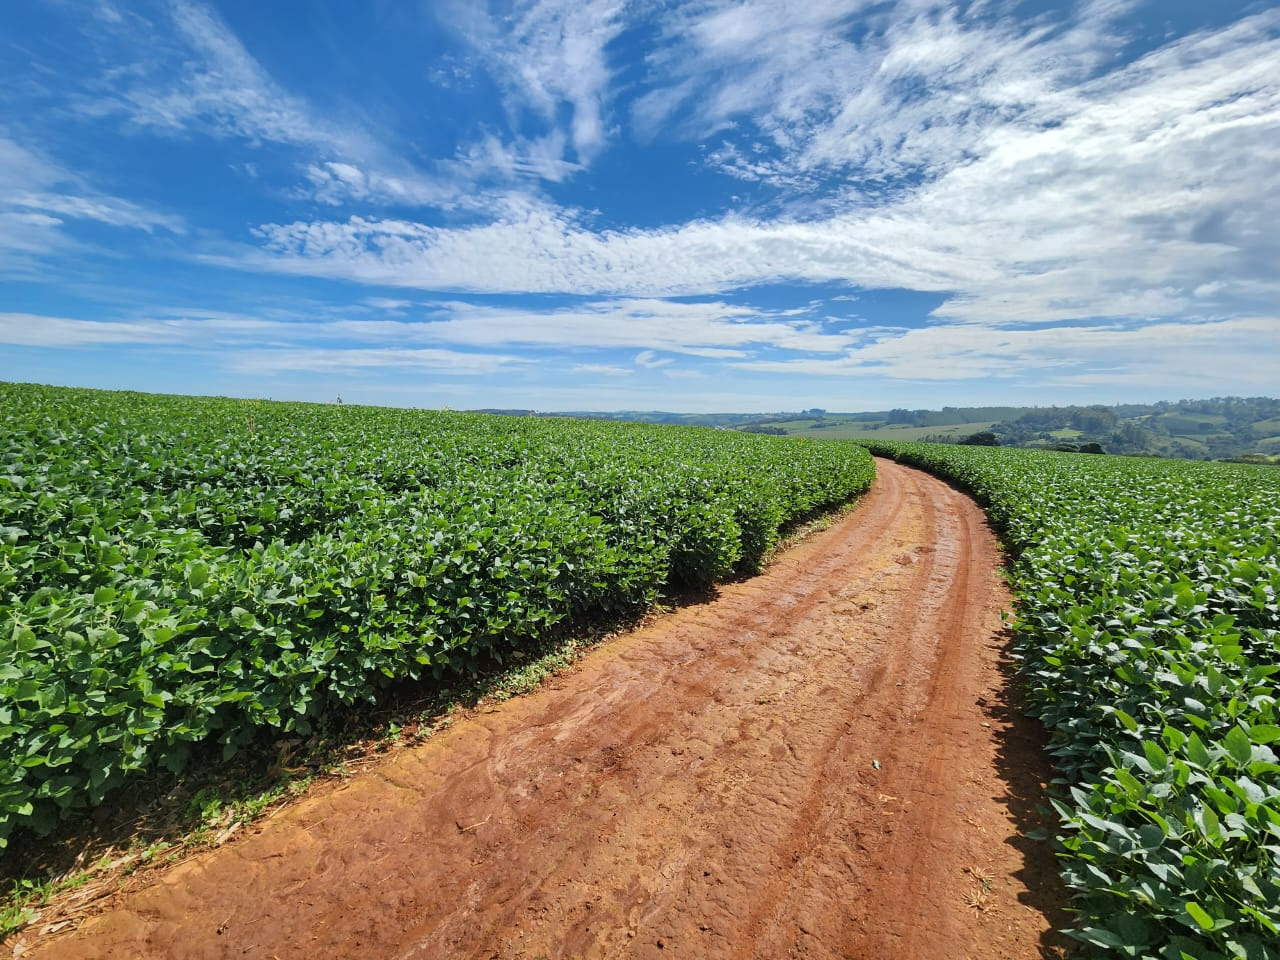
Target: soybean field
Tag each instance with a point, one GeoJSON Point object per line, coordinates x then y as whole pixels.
{"type": "Point", "coordinates": [183, 573]}
{"type": "Point", "coordinates": [177, 570]}
{"type": "Point", "coordinates": [1148, 620]}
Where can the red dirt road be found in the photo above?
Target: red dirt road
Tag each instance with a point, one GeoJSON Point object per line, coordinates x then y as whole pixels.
{"type": "Point", "coordinates": [820, 763]}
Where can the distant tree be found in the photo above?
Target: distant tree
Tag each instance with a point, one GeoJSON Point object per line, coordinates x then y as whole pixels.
{"type": "Point", "coordinates": [983, 438]}
{"type": "Point", "coordinates": [1091, 448]}
{"type": "Point", "coordinates": [1131, 438]}
{"type": "Point", "coordinates": [1096, 421]}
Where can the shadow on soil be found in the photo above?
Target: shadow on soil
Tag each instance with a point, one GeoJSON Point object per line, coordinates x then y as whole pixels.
{"type": "Point", "coordinates": [1026, 770]}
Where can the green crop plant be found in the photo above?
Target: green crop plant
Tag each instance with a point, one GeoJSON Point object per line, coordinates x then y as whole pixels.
{"type": "Point", "coordinates": [177, 571]}
{"type": "Point", "coordinates": [1148, 620]}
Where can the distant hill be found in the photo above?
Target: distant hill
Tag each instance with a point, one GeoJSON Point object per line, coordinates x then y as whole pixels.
{"type": "Point", "coordinates": [1213, 429]}
{"type": "Point", "coordinates": [1218, 428]}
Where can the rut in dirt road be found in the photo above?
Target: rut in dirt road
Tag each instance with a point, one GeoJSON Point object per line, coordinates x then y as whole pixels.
{"type": "Point", "coordinates": [816, 764]}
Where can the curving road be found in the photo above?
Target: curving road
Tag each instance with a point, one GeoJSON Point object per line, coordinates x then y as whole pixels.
{"type": "Point", "coordinates": [820, 763]}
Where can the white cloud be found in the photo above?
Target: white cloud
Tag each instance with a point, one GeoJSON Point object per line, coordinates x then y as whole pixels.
{"type": "Point", "coordinates": [852, 85]}
{"type": "Point", "coordinates": [1199, 356]}
{"type": "Point", "coordinates": [202, 329]}
{"type": "Point", "coordinates": [607, 369]}
{"type": "Point", "coordinates": [1206, 357]}
{"type": "Point", "coordinates": [389, 304]}
{"type": "Point", "coordinates": [651, 361]}
{"type": "Point", "coordinates": [218, 85]}
{"type": "Point", "coordinates": [1021, 171]}
{"type": "Point", "coordinates": [318, 360]}
{"type": "Point", "coordinates": [713, 331]}
{"type": "Point", "coordinates": [25, 238]}
{"type": "Point", "coordinates": [248, 345]}
{"type": "Point", "coordinates": [38, 197]}
{"type": "Point", "coordinates": [112, 211]}
{"type": "Point", "coordinates": [32, 330]}
{"type": "Point", "coordinates": [710, 330]}
{"type": "Point", "coordinates": [543, 250]}
{"type": "Point", "coordinates": [191, 73]}
{"type": "Point", "coordinates": [548, 55]}
{"type": "Point", "coordinates": [1154, 180]}
{"type": "Point", "coordinates": [107, 12]}
{"type": "Point", "coordinates": [341, 182]}
{"type": "Point", "coordinates": [542, 157]}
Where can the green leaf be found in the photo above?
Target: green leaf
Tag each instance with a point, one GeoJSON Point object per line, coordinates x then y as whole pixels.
{"type": "Point", "coordinates": [24, 640]}
{"type": "Point", "coordinates": [1251, 791]}
{"type": "Point", "coordinates": [1098, 937]}
{"type": "Point", "coordinates": [1125, 719]}
{"type": "Point", "coordinates": [1212, 826]}
{"type": "Point", "coordinates": [1264, 732]}
{"type": "Point", "coordinates": [1199, 915]}
{"type": "Point", "coordinates": [1151, 836]}
{"type": "Point", "coordinates": [1133, 931]}
{"type": "Point", "coordinates": [1155, 755]}
{"type": "Point", "coordinates": [1238, 746]}
{"type": "Point", "coordinates": [198, 574]}
{"type": "Point", "coordinates": [1197, 752]}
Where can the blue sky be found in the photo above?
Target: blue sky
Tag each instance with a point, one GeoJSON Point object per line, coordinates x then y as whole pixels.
{"type": "Point", "coordinates": [598, 204]}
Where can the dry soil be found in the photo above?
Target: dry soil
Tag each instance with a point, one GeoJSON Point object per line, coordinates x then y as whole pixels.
{"type": "Point", "coordinates": [824, 761]}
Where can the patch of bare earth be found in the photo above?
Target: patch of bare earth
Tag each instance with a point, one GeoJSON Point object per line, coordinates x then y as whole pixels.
{"type": "Point", "coordinates": [822, 762]}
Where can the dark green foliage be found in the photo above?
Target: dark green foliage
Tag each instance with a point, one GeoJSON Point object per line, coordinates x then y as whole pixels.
{"type": "Point", "coordinates": [1149, 620]}
{"type": "Point", "coordinates": [1196, 429]}
{"type": "Point", "coordinates": [175, 569]}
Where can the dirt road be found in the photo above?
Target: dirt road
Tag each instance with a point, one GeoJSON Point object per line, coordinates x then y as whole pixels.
{"type": "Point", "coordinates": [821, 763]}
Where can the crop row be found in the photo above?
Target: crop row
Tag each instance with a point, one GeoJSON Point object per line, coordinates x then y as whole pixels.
{"type": "Point", "coordinates": [175, 570]}
{"type": "Point", "coordinates": [1149, 623]}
